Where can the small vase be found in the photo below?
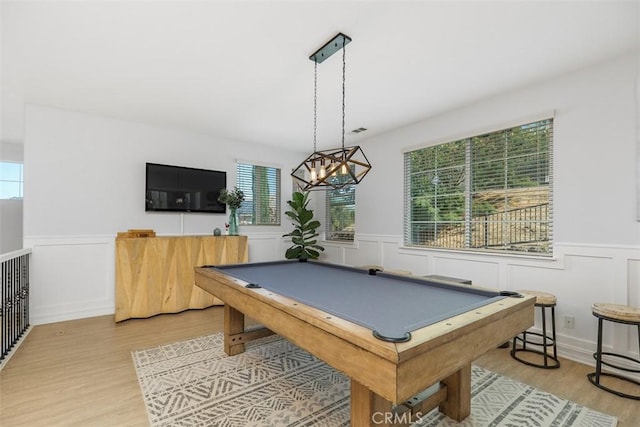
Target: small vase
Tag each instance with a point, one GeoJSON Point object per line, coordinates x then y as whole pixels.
{"type": "Point", "coordinates": [233, 222]}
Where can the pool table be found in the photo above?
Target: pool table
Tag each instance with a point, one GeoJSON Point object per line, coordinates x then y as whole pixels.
{"type": "Point", "coordinates": [394, 336]}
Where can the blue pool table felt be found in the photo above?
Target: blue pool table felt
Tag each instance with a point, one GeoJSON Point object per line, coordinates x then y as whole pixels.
{"type": "Point", "coordinates": [391, 306]}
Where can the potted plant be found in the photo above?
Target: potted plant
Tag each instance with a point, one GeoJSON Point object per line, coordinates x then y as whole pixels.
{"type": "Point", "coordinates": [304, 233]}
{"type": "Point", "coordinates": [233, 199]}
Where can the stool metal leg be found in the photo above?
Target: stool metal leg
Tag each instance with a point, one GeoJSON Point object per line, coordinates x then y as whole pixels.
{"type": "Point", "coordinates": [544, 337]}
{"type": "Point", "coordinates": [598, 354]}
{"type": "Point", "coordinates": [553, 332]}
{"type": "Point", "coordinates": [638, 339]}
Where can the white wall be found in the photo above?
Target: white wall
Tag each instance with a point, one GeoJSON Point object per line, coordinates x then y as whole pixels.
{"type": "Point", "coordinates": [596, 235]}
{"type": "Point", "coordinates": [11, 151]}
{"type": "Point", "coordinates": [84, 182]}
{"type": "Point", "coordinates": [10, 225]}
{"type": "Point", "coordinates": [11, 210]}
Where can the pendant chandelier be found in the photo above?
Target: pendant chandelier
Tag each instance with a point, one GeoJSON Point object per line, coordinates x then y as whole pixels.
{"type": "Point", "coordinates": [337, 167]}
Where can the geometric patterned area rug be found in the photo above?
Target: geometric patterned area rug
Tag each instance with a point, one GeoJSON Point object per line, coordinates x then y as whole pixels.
{"type": "Point", "coordinates": [275, 383]}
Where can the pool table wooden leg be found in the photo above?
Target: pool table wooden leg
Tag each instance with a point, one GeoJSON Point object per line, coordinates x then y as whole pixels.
{"type": "Point", "coordinates": [367, 408]}
{"type": "Point", "coordinates": [233, 325]}
{"type": "Point", "coordinates": [458, 403]}
{"type": "Point", "coordinates": [370, 409]}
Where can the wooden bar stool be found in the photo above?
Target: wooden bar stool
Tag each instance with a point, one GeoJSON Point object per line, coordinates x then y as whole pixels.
{"type": "Point", "coordinates": [543, 340]}
{"type": "Point", "coordinates": [618, 314]}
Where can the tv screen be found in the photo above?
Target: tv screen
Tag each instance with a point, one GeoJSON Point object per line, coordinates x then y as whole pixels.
{"type": "Point", "coordinates": [181, 189]}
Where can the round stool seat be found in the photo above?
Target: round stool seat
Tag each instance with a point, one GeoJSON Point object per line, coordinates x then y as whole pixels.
{"type": "Point", "coordinates": [624, 313]}
{"type": "Point", "coordinates": [542, 298]}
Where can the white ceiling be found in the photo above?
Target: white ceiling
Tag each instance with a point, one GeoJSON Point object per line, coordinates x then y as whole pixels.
{"type": "Point", "coordinates": [240, 69]}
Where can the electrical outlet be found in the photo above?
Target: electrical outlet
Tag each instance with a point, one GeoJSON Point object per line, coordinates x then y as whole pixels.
{"type": "Point", "coordinates": [569, 322]}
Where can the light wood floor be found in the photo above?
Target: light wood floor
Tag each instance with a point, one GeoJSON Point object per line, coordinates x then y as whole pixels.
{"type": "Point", "coordinates": [80, 373]}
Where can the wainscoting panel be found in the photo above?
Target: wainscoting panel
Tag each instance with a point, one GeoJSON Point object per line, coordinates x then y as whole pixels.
{"type": "Point", "coordinates": [267, 247]}
{"type": "Point", "coordinates": [332, 253]}
{"type": "Point", "coordinates": [71, 278]}
{"type": "Point", "coordinates": [583, 281]}
{"type": "Point", "coordinates": [633, 268]}
{"type": "Point", "coordinates": [393, 259]}
{"type": "Point", "coordinates": [634, 300]}
{"type": "Point", "coordinates": [364, 252]}
{"type": "Point", "coordinates": [480, 272]}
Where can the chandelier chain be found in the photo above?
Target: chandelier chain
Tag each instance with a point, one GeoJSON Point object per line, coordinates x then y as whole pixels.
{"type": "Point", "coordinates": [344, 66]}
{"type": "Point", "coordinates": [315, 103]}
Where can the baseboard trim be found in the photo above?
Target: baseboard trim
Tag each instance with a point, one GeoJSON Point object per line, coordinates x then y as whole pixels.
{"type": "Point", "coordinates": [57, 314]}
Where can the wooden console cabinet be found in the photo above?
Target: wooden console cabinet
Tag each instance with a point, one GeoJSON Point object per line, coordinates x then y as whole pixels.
{"type": "Point", "coordinates": [155, 275]}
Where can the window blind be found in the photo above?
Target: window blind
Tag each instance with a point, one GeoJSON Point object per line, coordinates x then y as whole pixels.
{"type": "Point", "coordinates": [261, 187]}
{"type": "Point", "coordinates": [490, 192]}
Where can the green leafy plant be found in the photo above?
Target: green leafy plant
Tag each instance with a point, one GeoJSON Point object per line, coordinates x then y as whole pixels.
{"type": "Point", "coordinates": [304, 235]}
{"type": "Point", "coordinates": [233, 198]}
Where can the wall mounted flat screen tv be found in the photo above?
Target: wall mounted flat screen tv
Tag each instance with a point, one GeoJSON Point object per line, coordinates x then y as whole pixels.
{"type": "Point", "coordinates": [181, 189]}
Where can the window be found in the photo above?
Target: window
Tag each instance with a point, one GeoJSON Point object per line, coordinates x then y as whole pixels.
{"type": "Point", "coordinates": [261, 188]}
{"type": "Point", "coordinates": [490, 192]}
{"type": "Point", "coordinates": [341, 213]}
{"type": "Point", "coordinates": [11, 181]}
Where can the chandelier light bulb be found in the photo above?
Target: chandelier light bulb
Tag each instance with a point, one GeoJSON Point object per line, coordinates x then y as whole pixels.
{"type": "Point", "coordinates": [323, 171]}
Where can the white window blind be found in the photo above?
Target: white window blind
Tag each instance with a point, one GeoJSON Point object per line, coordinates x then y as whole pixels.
{"type": "Point", "coordinates": [261, 188]}
{"type": "Point", "coordinates": [341, 213]}
{"type": "Point", "coordinates": [491, 192]}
